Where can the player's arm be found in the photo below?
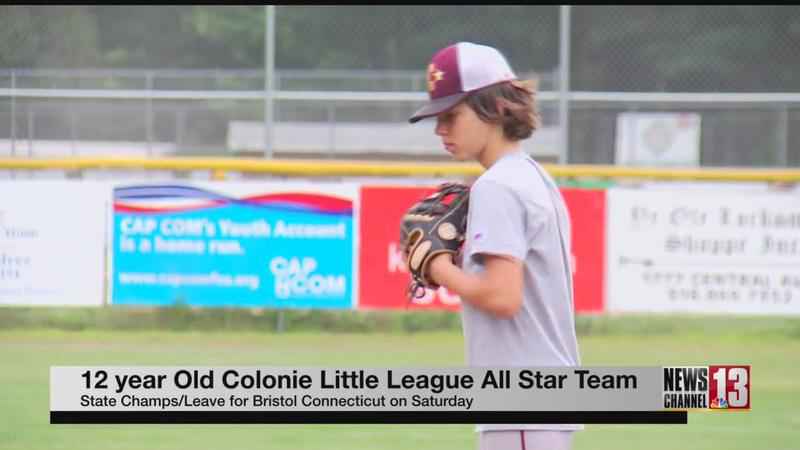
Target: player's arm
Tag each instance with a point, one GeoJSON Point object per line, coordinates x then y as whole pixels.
{"type": "Point", "coordinates": [496, 290]}
{"type": "Point", "coordinates": [498, 244]}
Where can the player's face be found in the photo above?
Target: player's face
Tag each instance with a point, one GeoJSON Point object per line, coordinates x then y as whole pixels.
{"type": "Point", "coordinates": [464, 135]}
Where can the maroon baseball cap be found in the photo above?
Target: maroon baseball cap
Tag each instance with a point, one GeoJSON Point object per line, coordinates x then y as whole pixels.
{"type": "Point", "coordinates": [458, 70]}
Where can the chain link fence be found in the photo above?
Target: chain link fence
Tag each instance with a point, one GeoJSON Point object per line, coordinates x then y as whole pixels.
{"type": "Point", "coordinates": [154, 80]}
{"type": "Point", "coordinates": [685, 48]}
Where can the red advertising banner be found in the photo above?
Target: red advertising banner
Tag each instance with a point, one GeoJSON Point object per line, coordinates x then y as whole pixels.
{"type": "Point", "coordinates": [587, 213]}
{"type": "Point", "coordinates": [384, 278]}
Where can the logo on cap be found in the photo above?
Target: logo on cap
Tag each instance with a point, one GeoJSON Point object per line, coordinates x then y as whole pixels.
{"type": "Point", "coordinates": [434, 75]}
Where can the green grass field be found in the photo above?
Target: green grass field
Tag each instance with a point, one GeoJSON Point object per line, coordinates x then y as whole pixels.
{"type": "Point", "coordinates": [772, 346]}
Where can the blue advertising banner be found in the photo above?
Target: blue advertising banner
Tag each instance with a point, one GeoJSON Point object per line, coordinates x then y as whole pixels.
{"type": "Point", "coordinates": [278, 245]}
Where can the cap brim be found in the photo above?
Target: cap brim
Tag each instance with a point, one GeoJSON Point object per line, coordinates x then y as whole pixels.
{"type": "Point", "coordinates": [437, 106]}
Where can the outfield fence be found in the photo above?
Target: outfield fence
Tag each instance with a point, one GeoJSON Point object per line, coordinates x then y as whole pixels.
{"type": "Point", "coordinates": [316, 234]}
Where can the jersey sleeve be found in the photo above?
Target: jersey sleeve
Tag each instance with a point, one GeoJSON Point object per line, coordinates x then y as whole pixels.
{"type": "Point", "coordinates": [496, 221]}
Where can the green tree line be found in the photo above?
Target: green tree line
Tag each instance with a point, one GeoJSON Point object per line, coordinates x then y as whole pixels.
{"type": "Point", "coordinates": [628, 48]}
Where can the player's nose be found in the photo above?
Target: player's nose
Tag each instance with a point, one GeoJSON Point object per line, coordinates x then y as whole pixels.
{"type": "Point", "coordinates": [440, 129]}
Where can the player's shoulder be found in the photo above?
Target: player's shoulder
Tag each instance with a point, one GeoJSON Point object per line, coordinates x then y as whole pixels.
{"type": "Point", "coordinates": [516, 174]}
{"type": "Point", "coordinates": [490, 185]}
{"type": "Point", "coordinates": [501, 174]}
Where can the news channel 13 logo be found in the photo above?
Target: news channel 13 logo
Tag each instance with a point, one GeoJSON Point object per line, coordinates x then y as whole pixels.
{"type": "Point", "coordinates": [707, 387]}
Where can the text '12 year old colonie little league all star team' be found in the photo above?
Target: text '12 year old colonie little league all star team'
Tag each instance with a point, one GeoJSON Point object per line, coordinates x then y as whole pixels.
{"type": "Point", "coordinates": [512, 270]}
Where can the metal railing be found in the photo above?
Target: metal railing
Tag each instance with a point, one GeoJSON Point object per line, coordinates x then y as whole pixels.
{"type": "Point", "coordinates": [195, 121]}
{"type": "Point", "coordinates": [227, 79]}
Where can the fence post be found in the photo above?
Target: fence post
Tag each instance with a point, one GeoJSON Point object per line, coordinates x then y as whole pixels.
{"type": "Point", "coordinates": [563, 83]}
{"type": "Point", "coordinates": [30, 130]}
{"type": "Point", "coordinates": [149, 113]}
{"type": "Point", "coordinates": [783, 136]}
{"type": "Point", "coordinates": [269, 75]}
{"type": "Point", "coordinates": [180, 124]}
{"type": "Point", "coordinates": [13, 113]}
{"type": "Point", "coordinates": [73, 131]}
{"type": "Point", "coordinates": [331, 110]}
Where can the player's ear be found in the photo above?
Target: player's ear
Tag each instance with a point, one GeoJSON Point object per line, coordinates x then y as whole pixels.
{"type": "Point", "coordinates": [500, 107]}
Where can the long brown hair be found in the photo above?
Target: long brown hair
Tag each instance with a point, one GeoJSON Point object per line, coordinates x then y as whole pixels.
{"type": "Point", "coordinates": [511, 104]}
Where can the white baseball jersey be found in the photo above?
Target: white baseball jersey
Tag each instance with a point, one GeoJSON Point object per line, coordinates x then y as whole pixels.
{"type": "Point", "coordinates": [516, 209]}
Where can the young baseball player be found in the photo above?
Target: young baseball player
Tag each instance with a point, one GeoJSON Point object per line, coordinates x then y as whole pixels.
{"type": "Point", "coordinates": [514, 276]}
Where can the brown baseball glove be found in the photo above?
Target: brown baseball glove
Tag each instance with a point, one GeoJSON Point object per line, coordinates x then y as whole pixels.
{"type": "Point", "coordinates": [434, 225]}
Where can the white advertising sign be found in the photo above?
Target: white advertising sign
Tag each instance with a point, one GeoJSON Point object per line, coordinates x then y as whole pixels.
{"type": "Point", "coordinates": [658, 139]}
{"type": "Point", "coordinates": [52, 239]}
{"type": "Point", "coordinates": [703, 251]}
